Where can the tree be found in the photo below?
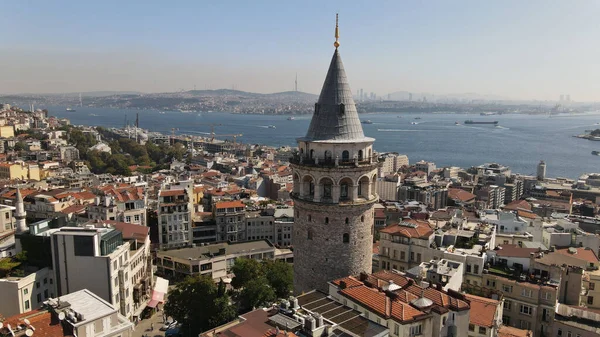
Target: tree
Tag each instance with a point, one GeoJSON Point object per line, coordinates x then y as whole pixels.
{"type": "Point", "coordinates": [280, 276]}
{"type": "Point", "coordinates": [257, 292]}
{"type": "Point", "coordinates": [20, 146]}
{"type": "Point", "coordinates": [195, 303]}
{"type": "Point", "coordinates": [245, 270]}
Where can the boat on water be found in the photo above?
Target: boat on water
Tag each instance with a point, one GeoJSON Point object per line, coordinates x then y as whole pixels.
{"type": "Point", "coordinates": [414, 123]}
{"type": "Point", "coordinates": [93, 115]}
{"type": "Point", "coordinates": [417, 117]}
{"type": "Point", "coordinates": [596, 153]}
{"type": "Point", "coordinates": [70, 109]}
{"type": "Point", "coordinates": [162, 112]}
{"type": "Point", "coordinates": [456, 123]}
{"type": "Point", "coordinates": [367, 121]}
{"type": "Point", "coordinates": [291, 118]}
{"type": "Point", "coordinates": [272, 127]}
{"type": "Point", "coordinates": [470, 121]}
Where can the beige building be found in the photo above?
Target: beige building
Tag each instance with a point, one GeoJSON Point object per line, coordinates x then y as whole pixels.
{"type": "Point", "coordinates": [7, 131]}
{"type": "Point", "coordinates": [26, 293]}
{"type": "Point", "coordinates": [405, 245]}
{"type": "Point", "coordinates": [12, 171]}
{"type": "Point", "coordinates": [215, 260]}
{"type": "Point", "coordinates": [7, 221]}
{"type": "Point", "coordinates": [576, 321]}
{"type": "Point", "coordinates": [486, 316]}
{"type": "Point", "coordinates": [99, 259]}
{"type": "Point", "coordinates": [403, 306]}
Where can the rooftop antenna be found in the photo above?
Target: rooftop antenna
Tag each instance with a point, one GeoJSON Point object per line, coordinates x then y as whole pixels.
{"type": "Point", "coordinates": [336, 44]}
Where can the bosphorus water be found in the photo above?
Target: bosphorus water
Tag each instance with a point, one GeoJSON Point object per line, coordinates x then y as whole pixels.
{"type": "Point", "coordinates": [519, 141]}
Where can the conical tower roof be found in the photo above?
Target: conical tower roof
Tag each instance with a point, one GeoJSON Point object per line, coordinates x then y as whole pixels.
{"type": "Point", "coordinates": [335, 118]}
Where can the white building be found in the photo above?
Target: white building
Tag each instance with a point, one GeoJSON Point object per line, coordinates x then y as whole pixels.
{"type": "Point", "coordinates": [100, 260]}
{"type": "Point", "coordinates": [174, 215]}
{"type": "Point", "coordinates": [26, 293]}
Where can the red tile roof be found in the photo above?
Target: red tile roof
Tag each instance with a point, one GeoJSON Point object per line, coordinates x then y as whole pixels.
{"type": "Point", "coordinates": [422, 229]}
{"type": "Point", "coordinates": [582, 254]}
{"type": "Point", "coordinates": [509, 250]}
{"type": "Point", "coordinates": [388, 276]}
{"type": "Point", "coordinates": [509, 331]}
{"type": "Point", "coordinates": [483, 310]}
{"type": "Point", "coordinates": [229, 204]}
{"type": "Point", "coordinates": [171, 193]}
{"type": "Point", "coordinates": [40, 319]}
{"type": "Point", "coordinates": [461, 195]}
{"type": "Point", "coordinates": [518, 204]}
{"type": "Point", "coordinates": [350, 282]}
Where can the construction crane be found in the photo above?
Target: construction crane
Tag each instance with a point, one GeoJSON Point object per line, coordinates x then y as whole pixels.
{"type": "Point", "coordinates": [212, 128]}
{"type": "Point", "coordinates": [232, 135]}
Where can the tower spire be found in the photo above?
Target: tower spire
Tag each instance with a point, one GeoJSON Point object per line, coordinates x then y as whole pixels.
{"type": "Point", "coordinates": [20, 213]}
{"type": "Point", "coordinates": [336, 44]}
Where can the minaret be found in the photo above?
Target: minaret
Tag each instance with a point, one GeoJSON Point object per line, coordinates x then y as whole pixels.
{"type": "Point", "coordinates": [20, 214]}
{"type": "Point", "coordinates": [334, 171]}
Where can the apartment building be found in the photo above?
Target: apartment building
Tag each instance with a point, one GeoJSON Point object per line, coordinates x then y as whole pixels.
{"type": "Point", "coordinates": [131, 203]}
{"type": "Point", "coordinates": [486, 316]}
{"type": "Point", "coordinates": [527, 304]}
{"type": "Point", "coordinates": [101, 260]}
{"type": "Point", "coordinates": [575, 321]}
{"type": "Point", "coordinates": [81, 313]}
{"type": "Point", "coordinates": [215, 260]}
{"type": "Point", "coordinates": [7, 220]}
{"type": "Point", "coordinates": [402, 305]}
{"type": "Point", "coordinates": [27, 292]}
{"type": "Point", "coordinates": [175, 216]}
{"type": "Point", "coordinates": [405, 245]}
{"type": "Point", "coordinates": [391, 163]}
{"type": "Point", "coordinates": [230, 217]}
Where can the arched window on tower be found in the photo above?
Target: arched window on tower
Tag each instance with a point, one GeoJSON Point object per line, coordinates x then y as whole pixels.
{"type": "Point", "coordinates": [345, 155]}
{"type": "Point", "coordinates": [309, 234]}
{"type": "Point", "coordinates": [342, 109]}
{"type": "Point", "coordinates": [326, 220]}
{"type": "Point", "coordinates": [360, 154]}
{"type": "Point", "coordinates": [345, 188]}
{"type": "Point", "coordinates": [346, 238]}
{"type": "Point", "coordinates": [347, 221]}
{"type": "Point", "coordinates": [362, 218]}
{"type": "Point", "coordinates": [312, 154]}
{"type": "Point", "coordinates": [328, 155]}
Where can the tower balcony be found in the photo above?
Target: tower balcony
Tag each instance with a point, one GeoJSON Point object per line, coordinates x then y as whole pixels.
{"type": "Point", "coordinates": [332, 201]}
{"type": "Point", "coordinates": [306, 160]}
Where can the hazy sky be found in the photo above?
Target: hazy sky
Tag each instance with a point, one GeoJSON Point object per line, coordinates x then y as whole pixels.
{"type": "Point", "coordinates": [519, 49]}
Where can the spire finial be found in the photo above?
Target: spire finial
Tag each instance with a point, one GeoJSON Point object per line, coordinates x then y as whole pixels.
{"type": "Point", "coordinates": [337, 32]}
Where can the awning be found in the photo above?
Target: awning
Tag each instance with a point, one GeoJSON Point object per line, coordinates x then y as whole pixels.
{"type": "Point", "coordinates": [158, 294]}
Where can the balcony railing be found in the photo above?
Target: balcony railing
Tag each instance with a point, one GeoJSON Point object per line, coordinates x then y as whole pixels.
{"type": "Point", "coordinates": [334, 162]}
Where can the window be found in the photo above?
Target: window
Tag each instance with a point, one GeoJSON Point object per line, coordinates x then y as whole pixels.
{"type": "Point", "coordinates": [559, 333]}
{"type": "Point", "coordinates": [590, 300]}
{"type": "Point", "coordinates": [592, 286]}
{"type": "Point", "coordinates": [25, 291]}
{"type": "Point", "coordinates": [362, 218]}
{"type": "Point", "coordinates": [476, 269]}
{"type": "Point", "coordinates": [526, 325]}
{"type": "Point", "coordinates": [416, 330]}
{"type": "Point", "coordinates": [347, 221]}
{"type": "Point", "coordinates": [83, 245]}
{"type": "Point", "coordinates": [547, 296]}
{"type": "Point", "coordinates": [402, 255]}
{"type": "Point", "coordinates": [505, 320]}
{"type": "Point", "coordinates": [310, 235]}
{"type": "Point", "coordinates": [346, 238]}
{"type": "Point", "coordinates": [39, 298]}
{"type": "Point", "coordinates": [344, 191]}
{"type": "Point", "coordinates": [46, 294]}
{"type": "Point", "coordinates": [345, 155]}
{"type": "Point", "coordinates": [491, 283]}
{"type": "Point", "coordinates": [444, 320]}
{"type": "Point", "coordinates": [326, 220]}
{"type": "Point", "coordinates": [45, 280]}
{"type": "Point", "coordinates": [412, 256]}
{"type": "Point", "coordinates": [327, 190]}
{"type": "Point", "coordinates": [37, 285]}
{"type": "Point", "coordinates": [481, 330]}
{"type": "Point", "coordinates": [468, 268]}
{"type": "Point", "coordinates": [396, 329]}
{"type": "Point", "coordinates": [507, 305]}
{"type": "Point", "coordinates": [418, 257]}
{"type": "Point", "coordinates": [525, 309]}
{"type": "Point", "coordinates": [309, 218]}
{"type": "Point", "coordinates": [526, 292]}
{"type": "Point", "coordinates": [27, 305]}
{"type": "Point", "coordinates": [507, 288]}
{"type": "Point", "coordinates": [471, 327]}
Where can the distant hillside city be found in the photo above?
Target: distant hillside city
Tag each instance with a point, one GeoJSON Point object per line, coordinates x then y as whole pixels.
{"type": "Point", "coordinates": [296, 102]}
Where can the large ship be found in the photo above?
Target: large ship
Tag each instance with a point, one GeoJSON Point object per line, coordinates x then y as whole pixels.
{"type": "Point", "coordinates": [469, 121]}
{"type": "Point", "coordinates": [596, 153]}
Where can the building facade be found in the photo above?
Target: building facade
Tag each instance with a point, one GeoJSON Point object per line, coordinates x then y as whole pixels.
{"type": "Point", "coordinates": [334, 174]}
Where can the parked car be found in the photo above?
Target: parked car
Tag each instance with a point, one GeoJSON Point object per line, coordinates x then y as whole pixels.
{"type": "Point", "coordinates": [168, 326]}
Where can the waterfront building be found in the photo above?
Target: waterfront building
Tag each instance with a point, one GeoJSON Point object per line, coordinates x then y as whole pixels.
{"type": "Point", "coordinates": [391, 163]}
{"type": "Point", "coordinates": [335, 176]}
{"type": "Point", "coordinates": [541, 171]}
{"type": "Point", "coordinates": [425, 166]}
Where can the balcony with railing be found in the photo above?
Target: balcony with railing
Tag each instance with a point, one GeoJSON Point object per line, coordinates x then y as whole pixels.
{"type": "Point", "coordinates": [303, 159]}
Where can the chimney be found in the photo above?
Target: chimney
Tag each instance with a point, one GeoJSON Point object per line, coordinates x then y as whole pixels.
{"type": "Point", "coordinates": [343, 285]}
{"type": "Point", "coordinates": [388, 307]}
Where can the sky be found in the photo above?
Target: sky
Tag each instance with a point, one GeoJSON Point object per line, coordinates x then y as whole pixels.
{"type": "Point", "coordinates": [534, 49]}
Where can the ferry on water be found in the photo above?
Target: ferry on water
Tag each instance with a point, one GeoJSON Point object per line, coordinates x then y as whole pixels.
{"type": "Point", "coordinates": [70, 110]}
{"type": "Point", "coordinates": [469, 121]}
{"type": "Point", "coordinates": [368, 121]}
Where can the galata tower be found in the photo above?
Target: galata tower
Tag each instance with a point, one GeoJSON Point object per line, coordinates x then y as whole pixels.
{"type": "Point", "coordinates": [335, 172]}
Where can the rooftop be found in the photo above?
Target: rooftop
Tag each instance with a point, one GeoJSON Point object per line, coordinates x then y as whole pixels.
{"type": "Point", "coordinates": [219, 249]}
{"type": "Point", "coordinates": [483, 310]}
{"type": "Point", "coordinates": [410, 229]}
{"type": "Point", "coordinates": [87, 304]}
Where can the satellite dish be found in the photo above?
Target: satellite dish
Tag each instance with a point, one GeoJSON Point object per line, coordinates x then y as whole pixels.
{"type": "Point", "coordinates": [26, 321]}
{"type": "Point", "coordinates": [29, 332]}
{"type": "Point", "coordinates": [61, 316]}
